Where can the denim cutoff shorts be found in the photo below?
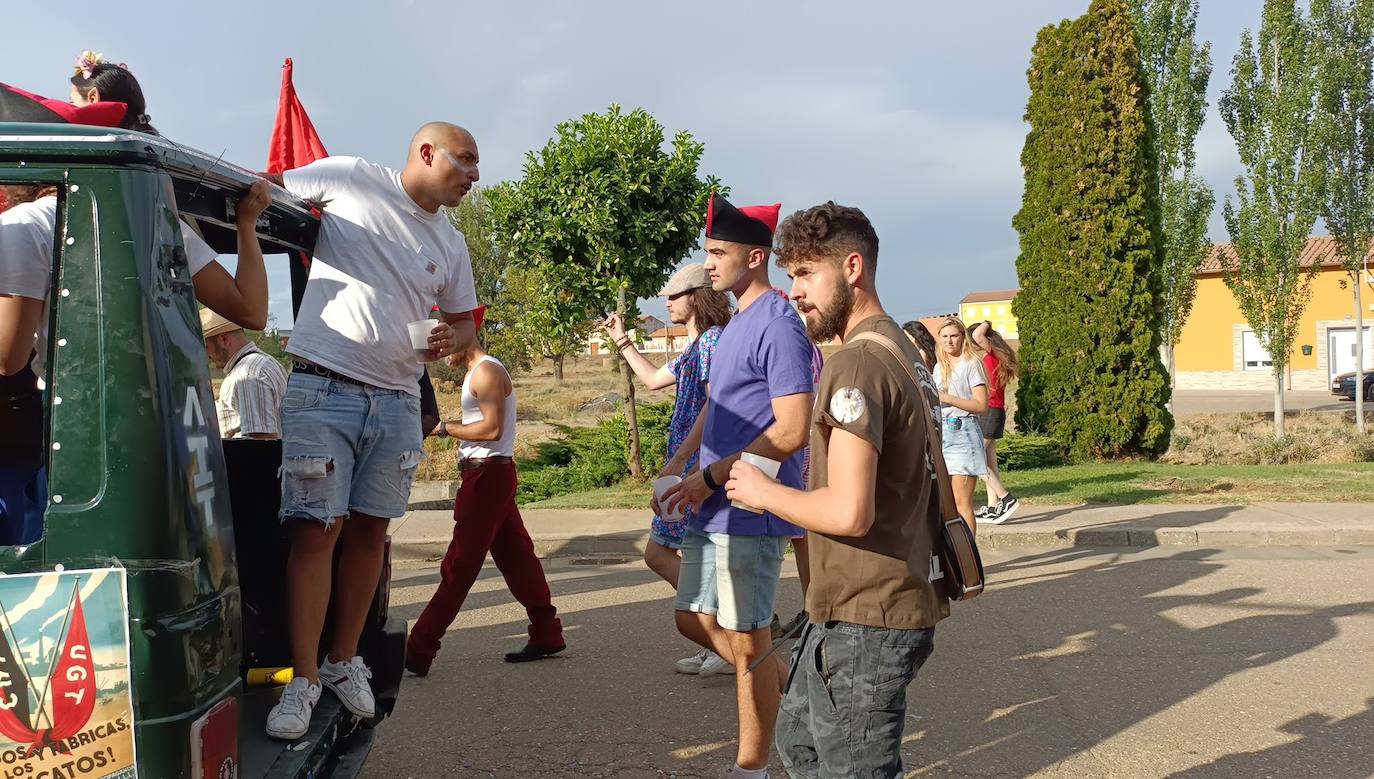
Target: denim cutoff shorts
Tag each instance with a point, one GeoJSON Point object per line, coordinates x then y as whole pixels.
{"type": "Point", "coordinates": [963, 448]}
{"type": "Point", "coordinates": [347, 448]}
{"type": "Point", "coordinates": [733, 577]}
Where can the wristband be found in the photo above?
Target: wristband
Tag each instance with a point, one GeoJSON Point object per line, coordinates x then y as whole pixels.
{"type": "Point", "coordinates": [621, 344]}
{"type": "Point", "coordinates": [706, 477]}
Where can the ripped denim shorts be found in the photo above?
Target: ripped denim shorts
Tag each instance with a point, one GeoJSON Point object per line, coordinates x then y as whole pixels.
{"type": "Point", "coordinates": [347, 448]}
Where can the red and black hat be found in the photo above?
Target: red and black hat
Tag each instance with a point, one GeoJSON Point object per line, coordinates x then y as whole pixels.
{"type": "Point", "coordinates": [17, 105]}
{"type": "Point", "coordinates": [753, 225]}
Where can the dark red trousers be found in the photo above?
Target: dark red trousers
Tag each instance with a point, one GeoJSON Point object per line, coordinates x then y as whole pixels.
{"type": "Point", "coordinates": [486, 519]}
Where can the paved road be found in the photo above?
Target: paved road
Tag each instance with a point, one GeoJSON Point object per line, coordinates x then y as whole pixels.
{"type": "Point", "coordinates": [1174, 662]}
{"type": "Point", "coordinates": [1207, 402]}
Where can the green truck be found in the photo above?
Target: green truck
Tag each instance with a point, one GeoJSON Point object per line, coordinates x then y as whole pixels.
{"type": "Point", "coordinates": [139, 483]}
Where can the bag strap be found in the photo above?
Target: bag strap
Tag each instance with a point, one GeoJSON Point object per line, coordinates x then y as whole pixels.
{"type": "Point", "coordinates": [936, 454]}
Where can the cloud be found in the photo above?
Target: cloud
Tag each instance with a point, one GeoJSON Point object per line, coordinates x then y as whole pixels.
{"type": "Point", "coordinates": [43, 589]}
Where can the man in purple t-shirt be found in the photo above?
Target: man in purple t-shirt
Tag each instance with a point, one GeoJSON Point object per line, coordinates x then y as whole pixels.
{"type": "Point", "coordinates": [760, 403]}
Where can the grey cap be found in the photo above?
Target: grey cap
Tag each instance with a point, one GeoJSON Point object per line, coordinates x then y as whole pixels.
{"type": "Point", "coordinates": [688, 277]}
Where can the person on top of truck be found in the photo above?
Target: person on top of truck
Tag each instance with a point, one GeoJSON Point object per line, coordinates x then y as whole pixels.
{"type": "Point", "coordinates": [351, 417]}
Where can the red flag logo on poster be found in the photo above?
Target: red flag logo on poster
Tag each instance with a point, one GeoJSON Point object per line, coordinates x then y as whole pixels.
{"type": "Point", "coordinates": [73, 682]}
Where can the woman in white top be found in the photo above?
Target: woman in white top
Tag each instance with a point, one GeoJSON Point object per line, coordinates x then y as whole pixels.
{"type": "Point", "coordinates": [963, 396]}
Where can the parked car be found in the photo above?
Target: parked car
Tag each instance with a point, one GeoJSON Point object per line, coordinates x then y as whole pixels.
{"type": "Point", "coordinates": [1339, 379]}
{"type": "Point", "coordinates": [1347, 386]}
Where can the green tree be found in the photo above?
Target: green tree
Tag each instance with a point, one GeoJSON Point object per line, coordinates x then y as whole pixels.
{"type": "Point", "coordinates": [502, 333]}
{"type": "Point", "coordinates": [1269, 111]}
{"type": "Point", "coordinates": [1090, 301]}
{"type": "Point", "coordinates": [1344, 32]}
{"type": "Point", "coordinates": [1177, 70]}
{"type": "Point", "coordinates": [537, 325]}
{"type": "Point", "coordinates": [603, 214]}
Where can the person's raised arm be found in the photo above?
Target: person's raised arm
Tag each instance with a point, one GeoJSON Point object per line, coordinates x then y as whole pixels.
{"type": "Point", "coordinates": [490, 386]}
{"type": "Point", "coordinates": [653, 376]}
{"type": "Point", "coordinates": [843, 507]}
{"type": "Point", "coordinates": [241, 298]}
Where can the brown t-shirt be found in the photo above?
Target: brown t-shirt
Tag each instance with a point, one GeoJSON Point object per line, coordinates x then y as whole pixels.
{"type": "Point", "coordinates": [884, 578]}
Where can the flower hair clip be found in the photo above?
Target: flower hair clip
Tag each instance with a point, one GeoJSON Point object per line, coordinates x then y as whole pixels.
{"type": "Point", "coordinates": [89, 60]}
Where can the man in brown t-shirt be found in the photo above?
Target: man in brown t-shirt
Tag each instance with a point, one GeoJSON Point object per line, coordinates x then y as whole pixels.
{"type": "Point", "coordinates": [875, 592]}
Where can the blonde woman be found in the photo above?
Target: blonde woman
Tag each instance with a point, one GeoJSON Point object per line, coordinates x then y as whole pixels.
{"type": "Point", "coordinates": [963, 396]}
{"type": "Point", "coordinates": [1001, 366]}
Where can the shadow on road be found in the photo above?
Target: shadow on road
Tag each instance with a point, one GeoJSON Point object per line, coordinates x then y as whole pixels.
{"type": "Point", "coordinates": [1070, 649]}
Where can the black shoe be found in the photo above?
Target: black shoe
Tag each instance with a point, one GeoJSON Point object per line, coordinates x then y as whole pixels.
{"type": "Point", "coordinates": [775, 628]}
{"type": "Point", "coordinates": [794, 623]}
{"type": "Point", "coordinates": [533, 651]}
{"type": "Point", "coordinates": [418, 667]}
{"type": "Point", "coordinates": [1005, 508]}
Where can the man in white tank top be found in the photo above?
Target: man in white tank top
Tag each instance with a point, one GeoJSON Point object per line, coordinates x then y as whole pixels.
{"type": "Point", "coordinates": [486, 518]}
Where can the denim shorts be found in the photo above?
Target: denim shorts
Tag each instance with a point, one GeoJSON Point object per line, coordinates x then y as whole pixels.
{"type": "Point", "coordinates": [963, 448]}
{"type": "Point", "coordinates": [347, 448]}
{"type": "Point", "coordinates": [740, 592]}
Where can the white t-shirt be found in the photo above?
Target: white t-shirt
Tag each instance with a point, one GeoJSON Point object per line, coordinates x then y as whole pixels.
{"type": "Point", "coordinates": [964, 375]}
{"type": "Point", "coordinates": [26, 238]}
{"type": "Point", "coordinates": [381, 261]}
{"type": "Point", "coordinates": [26, 243]}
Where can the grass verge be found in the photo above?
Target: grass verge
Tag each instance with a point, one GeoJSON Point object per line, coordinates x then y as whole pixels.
{"type": "Point", "coordinates": [1116, 483]}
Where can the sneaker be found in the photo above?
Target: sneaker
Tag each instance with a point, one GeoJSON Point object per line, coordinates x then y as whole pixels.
{"type": "Point", "coordinates": [775, 627]}
{"type": "Point", "coordinates": [715, 664]}
{"type": "Point", "coordinates": [349, 682]}
{"type": "Point", "coordinates": [984, 512]}
{"type": "Point", "coordinates": [691, 665]}
{"type": "Point", "coordinates": [290, 718]}
{"type": "Point", "coordinates": [734, 773]}
{"type": "Point", "coordinates": [1005, 508]}
{"type": "Point", "coordinates": [795, 623]}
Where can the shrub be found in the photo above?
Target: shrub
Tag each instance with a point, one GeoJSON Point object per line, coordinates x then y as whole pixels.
{"type": "Point", "coordinates": [590, 458]}
{"type": "Point", "coordinates": [1023, 452]}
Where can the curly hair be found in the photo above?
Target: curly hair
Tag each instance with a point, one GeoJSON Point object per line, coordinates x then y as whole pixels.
{"type": "Point", "coordinates": [826, 232]}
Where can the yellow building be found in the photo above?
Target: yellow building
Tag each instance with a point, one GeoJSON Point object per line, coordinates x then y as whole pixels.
{"type": "Point", "coordinates": [993, 306]}
{"type": "Point", "coordinates": [1218, 349]}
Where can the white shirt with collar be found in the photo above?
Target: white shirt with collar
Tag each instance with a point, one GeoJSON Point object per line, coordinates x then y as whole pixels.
{"type": "Point", "coordinates": [250, 398]}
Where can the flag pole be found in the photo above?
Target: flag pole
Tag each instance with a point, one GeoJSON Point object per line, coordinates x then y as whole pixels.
{"type": "Point", "coordinates": [57, 656]}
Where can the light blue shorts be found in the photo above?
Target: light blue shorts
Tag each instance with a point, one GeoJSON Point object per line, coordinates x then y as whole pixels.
{"type": "Point", "coordinates": [347, 448]}
{"type": "Point", "coordinates": [738, 592]}
{"type": "Point", "coordinates": [963, 448]}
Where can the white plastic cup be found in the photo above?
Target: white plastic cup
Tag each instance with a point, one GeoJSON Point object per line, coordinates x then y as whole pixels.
{"type": "Point", "coordinates": [419, 338]}
{"type": "Point", "coordinates": [769, 468]}
{"type": "Point", "coordinates": [661, 485]}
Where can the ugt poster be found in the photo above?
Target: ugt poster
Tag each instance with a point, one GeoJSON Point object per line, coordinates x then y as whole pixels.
{"type": "Point", "coordinates": [65, 707]}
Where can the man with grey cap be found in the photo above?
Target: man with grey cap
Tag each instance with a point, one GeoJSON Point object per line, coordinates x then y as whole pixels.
{"type": "Point", "coordinates": [704, 312]}
{"type": "Point", "coordinates": [249, 403]}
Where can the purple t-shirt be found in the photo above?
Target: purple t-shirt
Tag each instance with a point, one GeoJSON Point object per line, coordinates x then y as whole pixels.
{"type": "Point", "coordinates": [762, 354]}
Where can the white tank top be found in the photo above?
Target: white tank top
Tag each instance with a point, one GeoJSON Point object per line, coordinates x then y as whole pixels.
{"type": "Point", "coordinates": [473, 413]}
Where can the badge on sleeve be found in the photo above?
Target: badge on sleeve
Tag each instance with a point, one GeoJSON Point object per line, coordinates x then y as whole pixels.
{"type": "Point", "coordinates": [847, 405]}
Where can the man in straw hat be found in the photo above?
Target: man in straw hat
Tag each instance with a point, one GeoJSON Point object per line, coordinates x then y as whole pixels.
{"type": "Point", "coordinates": [249, 402]}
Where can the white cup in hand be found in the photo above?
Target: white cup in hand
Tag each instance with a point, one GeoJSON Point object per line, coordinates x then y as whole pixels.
{"type": "Point", "coordinates": [419, 338]}
{"type": "Point", "coordinates": [661, 485]}
{"type": "Point", "coordinates": [769, 468]}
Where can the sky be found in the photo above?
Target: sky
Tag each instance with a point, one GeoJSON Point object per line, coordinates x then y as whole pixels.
{"type": "Point", "coordinates": [911, 111]}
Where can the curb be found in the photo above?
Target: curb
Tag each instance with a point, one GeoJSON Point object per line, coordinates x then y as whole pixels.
{"type": "Point", "coordinates": [631, 544]}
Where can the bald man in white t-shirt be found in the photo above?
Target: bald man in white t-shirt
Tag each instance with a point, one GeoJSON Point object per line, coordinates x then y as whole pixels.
{"type": "Point", "coordinates": [386, 254]}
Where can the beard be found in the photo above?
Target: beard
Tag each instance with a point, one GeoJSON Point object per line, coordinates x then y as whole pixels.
{"type": "Point", "coordinates": [834, 315]}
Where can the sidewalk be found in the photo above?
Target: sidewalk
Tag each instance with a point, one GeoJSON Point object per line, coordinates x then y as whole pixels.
{"type": "Point", "coordinates": [425, 534]}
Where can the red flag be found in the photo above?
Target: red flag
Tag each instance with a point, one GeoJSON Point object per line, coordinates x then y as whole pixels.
{"type": "Point", "coordinates": [73, 683]}
{"type": "Point", "coordinates": [294, 140]}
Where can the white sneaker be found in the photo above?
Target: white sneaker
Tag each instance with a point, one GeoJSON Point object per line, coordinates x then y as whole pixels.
{"type": "Point", "coordinates": [349, 682]}
{"type": "Point", "coordinates": [290, 718]}
{"type": "Point", "coordinates": [691, 665]}
{"type": "Point", "coordinates": [715, 664]}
